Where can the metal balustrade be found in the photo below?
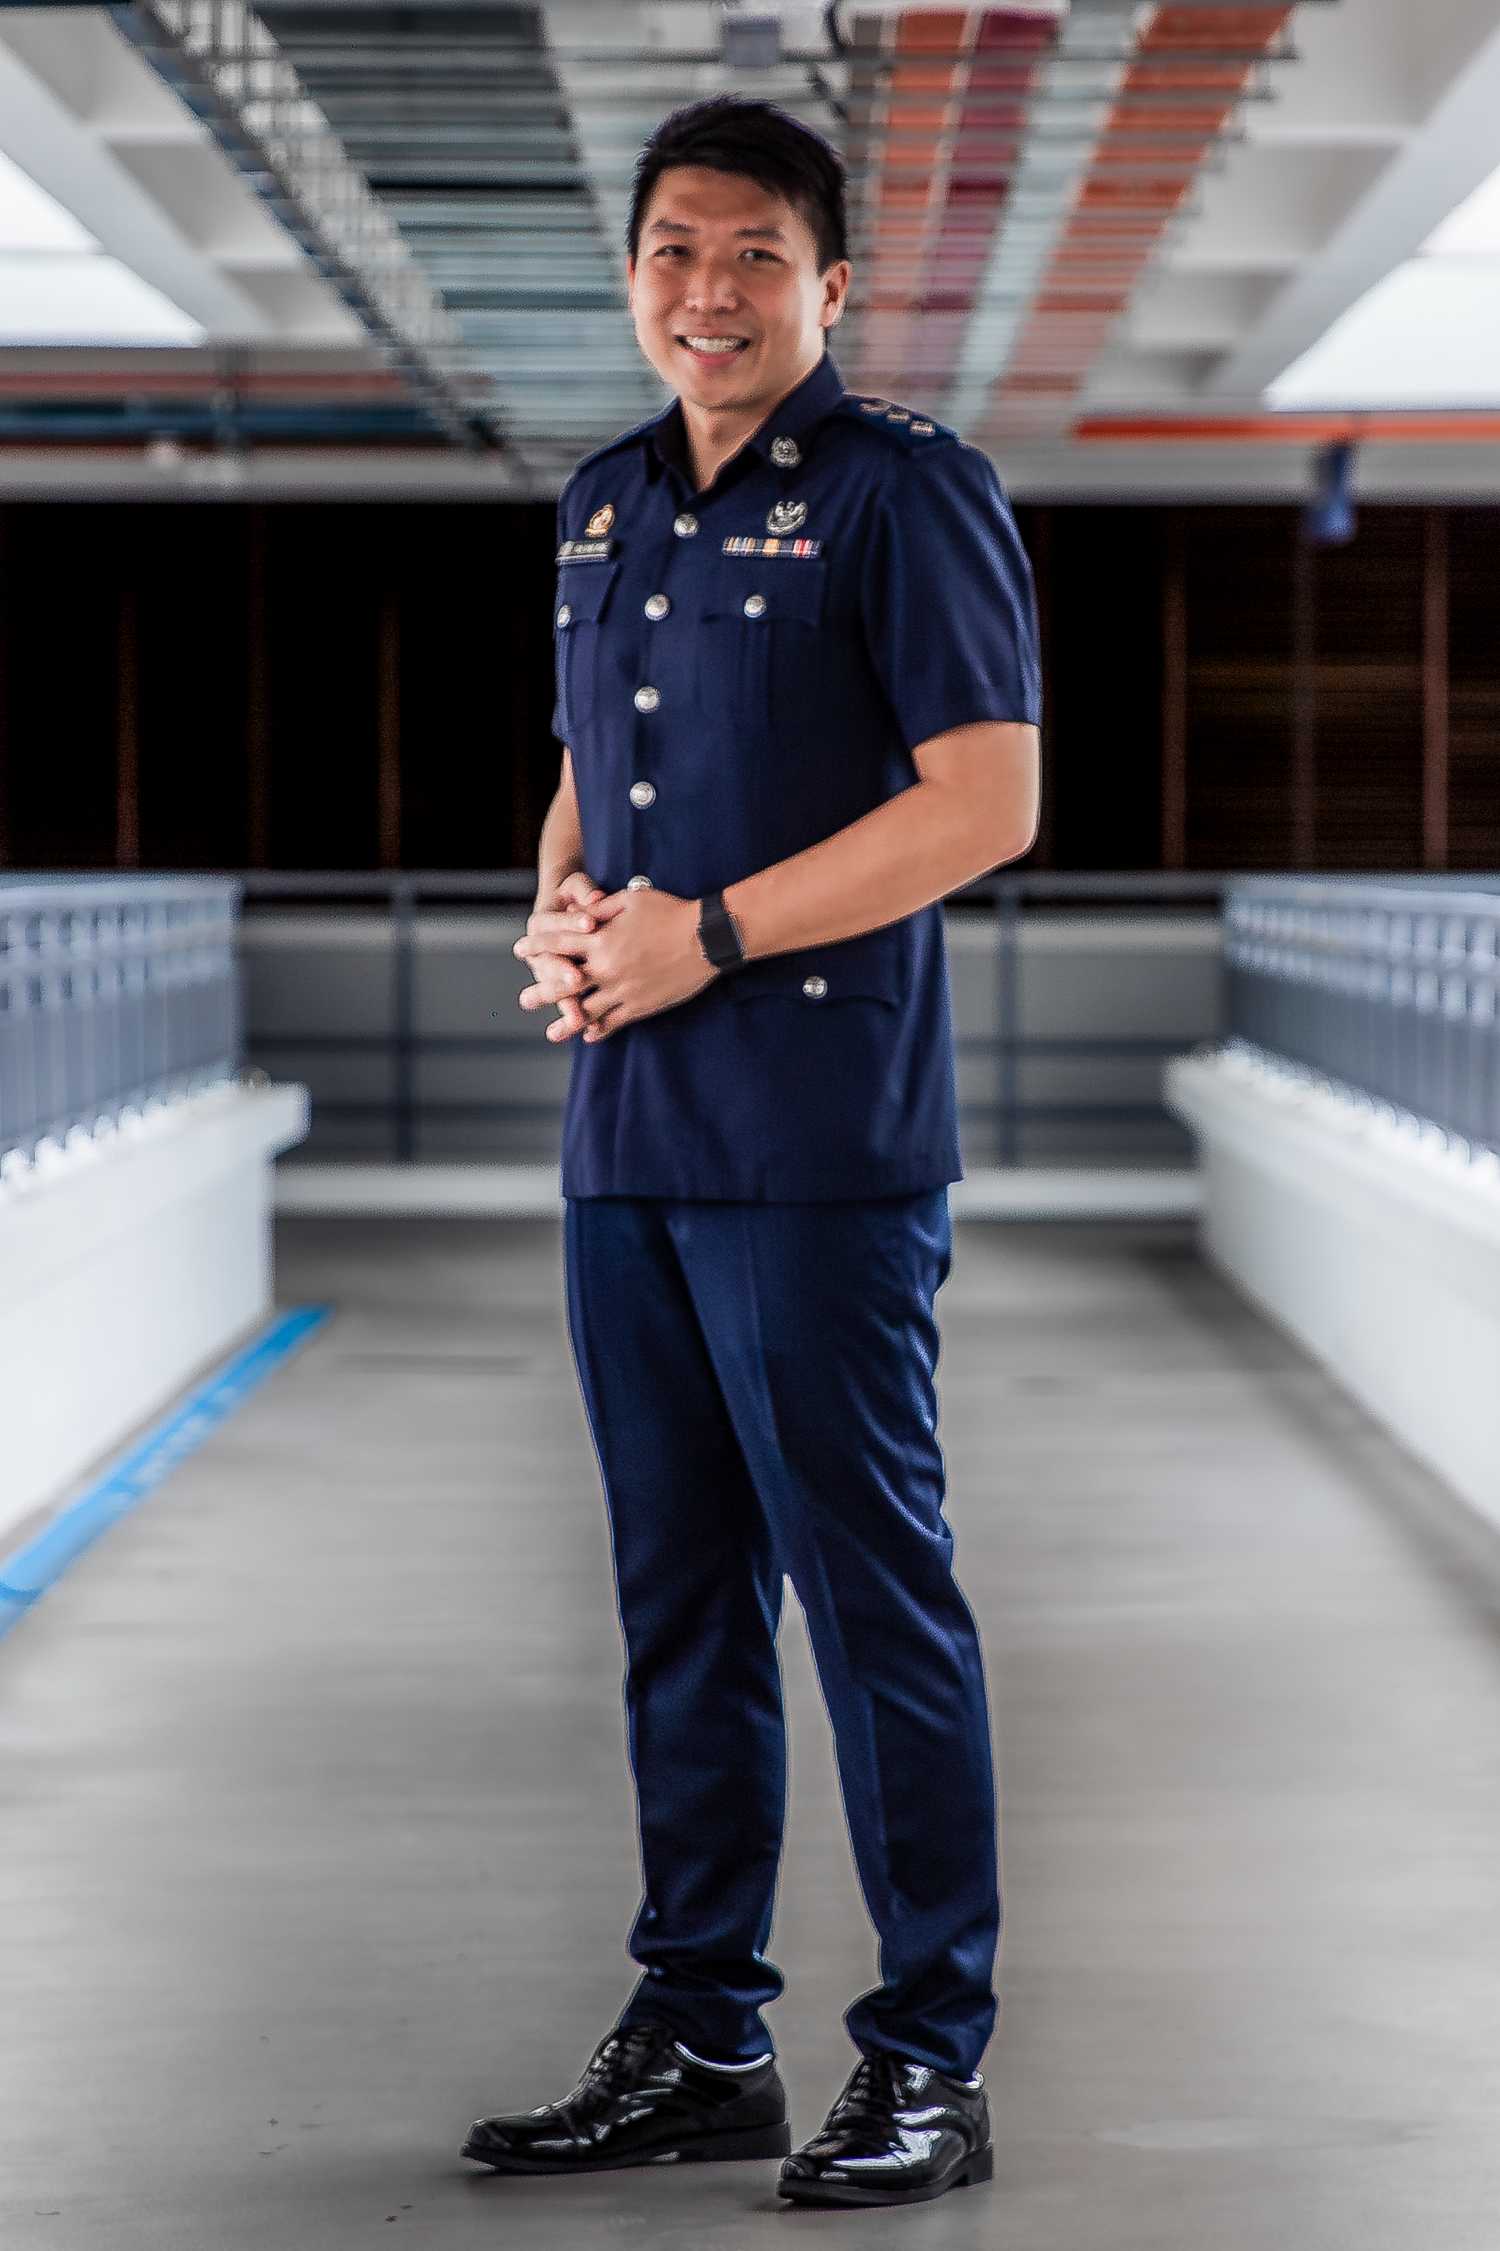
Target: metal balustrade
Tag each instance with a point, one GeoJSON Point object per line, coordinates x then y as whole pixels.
{"type": "Point", "coordinates": [120, 991]}
{"type": "Point", "coordinates": [116, 992]}
{"type": "Point", "coordinates": [1390, 991]}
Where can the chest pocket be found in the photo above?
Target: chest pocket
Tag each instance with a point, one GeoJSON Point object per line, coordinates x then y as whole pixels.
{"type": "Point", "coordinates": [583, 591]}
{"type": "Point", "coordinates": [758, 643]}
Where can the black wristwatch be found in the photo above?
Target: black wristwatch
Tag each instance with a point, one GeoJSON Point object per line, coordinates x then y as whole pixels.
{"type": "Point", "coordinates": [718, 934]}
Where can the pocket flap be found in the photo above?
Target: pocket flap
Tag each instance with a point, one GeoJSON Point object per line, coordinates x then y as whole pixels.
{"type": "Point", "coordinates": [872, 967]}
{"type": "Point", "coordinates": [583, 589]}
{"type": "Point", "coordinates": [780, 586]}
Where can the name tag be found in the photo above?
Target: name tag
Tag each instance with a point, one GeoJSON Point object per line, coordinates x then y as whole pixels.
{"type": "Point", "coordinates": [586, 550]}
{"type": "Point", "coordinates": [789, 547]}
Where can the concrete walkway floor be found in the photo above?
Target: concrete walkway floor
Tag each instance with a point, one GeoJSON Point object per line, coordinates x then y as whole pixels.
{"type": "Point", "coordinates": [316, 1839]}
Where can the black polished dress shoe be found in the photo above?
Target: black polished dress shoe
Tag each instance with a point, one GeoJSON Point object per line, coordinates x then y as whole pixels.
{"type": "Point", "coordinates": [898, 2134]}
{"type": "Point", "coordinates": [643, 2100]}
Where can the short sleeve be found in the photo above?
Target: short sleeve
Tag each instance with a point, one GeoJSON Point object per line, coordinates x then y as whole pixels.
{"type": "Point", "coordinates": [946, 596]}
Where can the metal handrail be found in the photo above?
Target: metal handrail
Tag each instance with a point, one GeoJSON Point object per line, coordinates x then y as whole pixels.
{"type": "Point", "coordinates": [117, 993]}
{"type": "Point", "coordinates": [1387, 991]}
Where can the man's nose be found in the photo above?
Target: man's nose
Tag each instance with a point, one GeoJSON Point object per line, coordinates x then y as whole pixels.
{"type": "Point", "coordinates": [711, 286]}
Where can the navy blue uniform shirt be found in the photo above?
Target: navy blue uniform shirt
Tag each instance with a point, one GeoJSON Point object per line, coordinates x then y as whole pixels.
{"type": "Point", "coordinates": [740, 673]}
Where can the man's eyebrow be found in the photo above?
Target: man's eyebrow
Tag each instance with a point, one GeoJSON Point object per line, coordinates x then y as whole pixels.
{"type": "Point", "coordinates": [742, 234]}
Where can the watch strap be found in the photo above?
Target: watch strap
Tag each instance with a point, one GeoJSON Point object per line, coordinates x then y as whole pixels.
{"type": "Point", "coordinates": [718, 933]}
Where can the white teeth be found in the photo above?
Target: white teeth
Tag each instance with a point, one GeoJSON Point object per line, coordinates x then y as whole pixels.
{"type": "Point", "coordinates": [714, 343]}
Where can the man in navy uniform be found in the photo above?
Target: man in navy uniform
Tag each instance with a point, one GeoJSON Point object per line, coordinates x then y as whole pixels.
{"type": "Point", "coordinates": [797, 685]}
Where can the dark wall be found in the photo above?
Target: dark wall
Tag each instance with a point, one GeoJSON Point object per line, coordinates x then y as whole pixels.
{"type": "Point", "coordinates": [362, 685]}
{"type": "Point", "coordinates": [298, 685]}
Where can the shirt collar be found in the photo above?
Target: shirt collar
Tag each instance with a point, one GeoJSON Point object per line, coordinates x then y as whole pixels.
{"type": "Point", "coordinates": [810, 403]}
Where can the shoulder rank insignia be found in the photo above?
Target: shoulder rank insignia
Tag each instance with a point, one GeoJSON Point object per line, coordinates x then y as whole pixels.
{"type": "Point", "coordinates": [586, 550]}
{"type": "Point", "coordinates": [600, 521]}
{"type": "Point", "coordinates": [786, 517]}
{"type": "Point", "coordinates": [901, 423]}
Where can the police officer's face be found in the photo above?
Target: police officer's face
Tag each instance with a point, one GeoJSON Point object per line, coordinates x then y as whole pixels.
{"type": "Point", "coordinates": [730, 306]}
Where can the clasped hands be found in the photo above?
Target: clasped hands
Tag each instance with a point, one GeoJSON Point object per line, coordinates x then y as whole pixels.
{"type": "Point", "coordinates": [607, 959]}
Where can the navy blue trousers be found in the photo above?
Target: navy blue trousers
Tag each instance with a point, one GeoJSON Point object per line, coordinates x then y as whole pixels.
{"type": "Point", "coordinates": [759, 1383]}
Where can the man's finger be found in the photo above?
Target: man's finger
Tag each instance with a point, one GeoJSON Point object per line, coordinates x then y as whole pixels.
{"type": "Point", "coordinates": [533, 997]}
{"type": "Point", "coordinates": [570, 945]}
{"type": "Point", "coordinates": [603, 1010]}
{"type": "Point", "coordinates": [554, 975]}
{"type": "Point", "coordinates": [578, 888]}
{"type": "Point", "coordinates": [549, 923]}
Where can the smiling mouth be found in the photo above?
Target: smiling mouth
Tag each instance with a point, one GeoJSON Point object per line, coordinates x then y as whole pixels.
{"type": "Point", "coordinates": [714, 348]}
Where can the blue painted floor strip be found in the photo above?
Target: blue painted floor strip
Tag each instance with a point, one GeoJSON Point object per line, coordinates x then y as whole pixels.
{"type": "Point", "coordinates": [32, 1569]}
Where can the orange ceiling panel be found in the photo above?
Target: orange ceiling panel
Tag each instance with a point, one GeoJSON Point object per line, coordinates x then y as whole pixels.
{"type": "Point", "coordinates": [1125, 203]}
{"type": "Point", "coordinates": [938, 191]}
{"type": "Point", "coordinates": [1292, 429]}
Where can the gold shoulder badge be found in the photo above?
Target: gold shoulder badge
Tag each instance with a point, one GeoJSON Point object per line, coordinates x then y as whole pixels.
{"type": "Point", "coordinates": [600, 521]}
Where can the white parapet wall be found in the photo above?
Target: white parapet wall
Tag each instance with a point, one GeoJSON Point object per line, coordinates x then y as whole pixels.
{"type": "Point", "coordinates": [1375, 1244]}
{"type": "Point", "coordinates": [129, 1265]}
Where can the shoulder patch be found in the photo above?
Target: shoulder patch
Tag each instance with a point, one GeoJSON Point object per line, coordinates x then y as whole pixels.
{"type": "Point", "coordinates": [912, 431]}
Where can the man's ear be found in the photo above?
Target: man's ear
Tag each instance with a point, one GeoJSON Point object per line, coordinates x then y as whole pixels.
{"type": "Point", "coordinates": [629, 281]}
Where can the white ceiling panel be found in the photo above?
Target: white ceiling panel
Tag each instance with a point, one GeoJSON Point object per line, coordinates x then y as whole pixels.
{"type": "Point", "coordinates": [82, 297]}
{"type": "Point", "coordinates": [30, 219]}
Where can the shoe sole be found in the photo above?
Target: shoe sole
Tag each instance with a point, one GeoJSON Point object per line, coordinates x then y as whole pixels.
{"type": "Point", "coordinates": [980, 2167]}
{"type": "Point", "coordinates": [726, 2149]}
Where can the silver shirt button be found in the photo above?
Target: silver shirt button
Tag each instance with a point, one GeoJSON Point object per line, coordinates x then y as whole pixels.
{"type": "Point", "coordinates": [755, 605]}
{"type": "Point", "coordinates": [815, 987]}
{"type": "Point", "coordinates": [565, 615]}
{"type": "Point", "coordinates": [647, 699]}
{"type": "Point", "coordinates": [785, 452]}
{"type": "Point", "coordinates": [642, 794]}
{"type": "Point", "coordinates": [685, 525]}
{"type": "Point", "coordinates": [639, 882]}
{"type": "Point", "coordinates": [658, 606]}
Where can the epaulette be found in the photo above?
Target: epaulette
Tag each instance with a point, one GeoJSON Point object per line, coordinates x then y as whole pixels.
{"type": "Point", "coordinates": [902, 423]}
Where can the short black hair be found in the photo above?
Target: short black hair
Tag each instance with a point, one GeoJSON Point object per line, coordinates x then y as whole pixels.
{"type": "Point", "coordinates": [727, 133]}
